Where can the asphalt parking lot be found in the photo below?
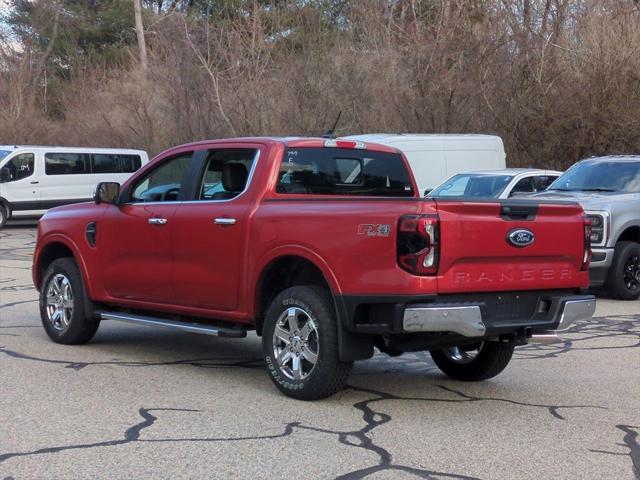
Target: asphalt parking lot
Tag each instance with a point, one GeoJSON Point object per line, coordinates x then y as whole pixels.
{"type": "Point", "coordinates": [139, 402]}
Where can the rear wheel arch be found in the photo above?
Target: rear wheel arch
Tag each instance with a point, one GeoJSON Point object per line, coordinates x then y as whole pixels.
{"type": "Point", "coordinates": [281, 273]}
{"type": "Point", "coordinates": [292, 270]}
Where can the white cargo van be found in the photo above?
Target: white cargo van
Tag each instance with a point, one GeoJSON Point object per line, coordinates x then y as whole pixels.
{"type": "Point", "coordinates": [436, 157]}
{"type": "Point", "coordinates": [34, 179]}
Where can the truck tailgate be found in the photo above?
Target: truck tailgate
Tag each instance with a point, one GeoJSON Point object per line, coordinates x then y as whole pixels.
{"type": "Point", "coordinates": [476, 253]}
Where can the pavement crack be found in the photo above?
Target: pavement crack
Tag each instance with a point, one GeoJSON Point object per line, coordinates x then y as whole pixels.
{"type": "Point", "coordinates": [553, 409]}
{"type": "Point", "coordinates": [132, 434]}
{"type": "Point", "coordinates": [13, 304]}
{"type": "Point", "coordinates": [360, 438]}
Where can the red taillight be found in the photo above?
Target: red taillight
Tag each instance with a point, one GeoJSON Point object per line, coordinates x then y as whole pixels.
{"type": "Point", "coordinates": [418, 244]}
{"type": "Point", "coordinates": [587, 254]}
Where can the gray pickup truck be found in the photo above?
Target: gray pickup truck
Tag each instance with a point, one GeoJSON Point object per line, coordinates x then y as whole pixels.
{"type": "Point", "coordinates": [608, 188]}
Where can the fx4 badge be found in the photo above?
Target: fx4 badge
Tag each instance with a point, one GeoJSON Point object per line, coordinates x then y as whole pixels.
{"type": "Point", "coordinates": [521, 237]}
{"type": "Point", "coordinates": [374, 229]}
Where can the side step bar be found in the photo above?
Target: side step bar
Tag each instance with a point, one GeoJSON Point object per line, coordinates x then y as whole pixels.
{"type": "Point", "coordinates": [178, 325]}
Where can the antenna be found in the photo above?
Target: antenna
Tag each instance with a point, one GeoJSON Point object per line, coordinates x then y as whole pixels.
{"type": "Point", "coordinates": [332, 133]}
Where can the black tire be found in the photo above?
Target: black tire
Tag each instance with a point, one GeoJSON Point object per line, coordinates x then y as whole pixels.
{"type": "Point", "coordinates": [329, 374]}
{"type": "Point", "coordinates": [492, 359]}
{"type": "Point", "coordinates": [81, 323]}
{"type": "Point", "coordinates": [625, 256]}
{"type": "Point", "coordinates": [3, 216]}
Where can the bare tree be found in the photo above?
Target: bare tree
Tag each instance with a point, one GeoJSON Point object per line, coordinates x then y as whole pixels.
{"type": "Point", "coordinates": [142, 44]}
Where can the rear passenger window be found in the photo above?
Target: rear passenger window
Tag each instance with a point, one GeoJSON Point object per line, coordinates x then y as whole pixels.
{"type": "Point", "coordinates": [105, 163]}
{"type": "Point", "coordinates": [227, 174]}
{"type": "Point", "coordinates": [66, 163]}
{"type": "Point", "coordinates": [130, 163]}
{"type": "Point", "coordinates": [335, 171]}
{"type": "Point", "coordinates": [543, 182]}
{"type": "Point", "coordinates": [523, 186]}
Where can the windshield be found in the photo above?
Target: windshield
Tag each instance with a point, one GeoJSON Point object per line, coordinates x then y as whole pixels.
{"type": "Point", "coordinates": [472, 185]}
{"type": "Point", "coordinates": [4, 153]}
{"type": "Point", "coordinates": [600, 176]}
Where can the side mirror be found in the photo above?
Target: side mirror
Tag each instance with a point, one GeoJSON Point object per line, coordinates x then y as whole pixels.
{"type": "Point", "coordinates": [107, 192]}
{"type": "Point", "coordinates": [5, 174]}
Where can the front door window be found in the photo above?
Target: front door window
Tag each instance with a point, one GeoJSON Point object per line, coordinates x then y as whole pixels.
{"type": "Point", "coordinates": [18, 168]}
{"type": "Point", "coordinates": [163, 183]}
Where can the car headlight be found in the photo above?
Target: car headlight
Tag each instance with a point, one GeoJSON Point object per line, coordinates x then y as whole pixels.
{"type": "Point", "coordinates": [599, 224]}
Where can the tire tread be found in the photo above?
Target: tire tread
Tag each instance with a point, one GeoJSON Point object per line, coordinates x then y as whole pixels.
{"type": "Point", "coordinates": [83, 325]}
{"type": "Point", "coordinates": [615, 285]}
{"type": "Point", "coordinates": [334, 372]}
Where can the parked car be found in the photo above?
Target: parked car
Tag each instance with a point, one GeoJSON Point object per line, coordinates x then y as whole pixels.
{"type": "Point", "coordinates": [510, 182]}
{"type": "Point", "coordinates": [436, 157]}
{"type": "Point", "coordinates": [608, 188]}
{"type": "Point", "coordinates": [297, 246]}
{"type": "Point", "coordinates": [34, 179]}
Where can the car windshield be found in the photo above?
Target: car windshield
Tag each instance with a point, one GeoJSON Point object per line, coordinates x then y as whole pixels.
{"type": "Point", "coordinates": [600, 176]}
{"type": "Point", "coordinates": [472, 185]}
{"type": "Point", "coordinates": [4, 153]}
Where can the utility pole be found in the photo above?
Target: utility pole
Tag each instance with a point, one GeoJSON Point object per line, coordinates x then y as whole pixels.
{"type": "Point", "coordinates": [142, 45]}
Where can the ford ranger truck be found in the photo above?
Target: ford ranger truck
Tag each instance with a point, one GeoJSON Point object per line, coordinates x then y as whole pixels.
{"type": "Point", "coordinates": [325, 249]}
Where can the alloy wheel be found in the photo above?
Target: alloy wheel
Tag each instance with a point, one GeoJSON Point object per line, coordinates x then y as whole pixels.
{"type": "Point", "coordinates": [59, 302]}
{"type": "Point", "coordinates": [462, 355]}
{"type": "Point", "coordinates": [295, 343]}
{"type": "Point", "coordinates": [631, 273]}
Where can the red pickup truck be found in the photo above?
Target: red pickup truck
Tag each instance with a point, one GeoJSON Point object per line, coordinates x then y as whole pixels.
{"type": "Point", "coordinates": [325, 248]}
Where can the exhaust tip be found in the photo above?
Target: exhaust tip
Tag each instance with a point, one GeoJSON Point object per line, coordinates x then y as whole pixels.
{"type": "Point", "coordinates": [545, 337]}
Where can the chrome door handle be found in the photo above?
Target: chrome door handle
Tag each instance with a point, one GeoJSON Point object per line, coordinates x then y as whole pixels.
{"type": "Point", "coordinates": [224, 221]}
{"type": "Point", "coordinates": [157, 221]}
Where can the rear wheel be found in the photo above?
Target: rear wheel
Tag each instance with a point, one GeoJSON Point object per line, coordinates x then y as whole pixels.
{"type": "Point", "coordinates": [473, 363]}
{"type": "Point", "coordinates": [300, 344]}
{"type": "Point", "coordinates": [64, 309]}
{"type": "Point", "coordinates": [623, 279]}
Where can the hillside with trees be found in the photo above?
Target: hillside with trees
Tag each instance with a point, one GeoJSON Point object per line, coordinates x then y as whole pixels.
{"type": "Point", "coordinates": [558, 80]}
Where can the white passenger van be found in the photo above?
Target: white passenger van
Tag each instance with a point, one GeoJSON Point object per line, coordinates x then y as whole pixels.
{"type": "Point", "coordinates": [34, 179]}
{"type": "Point", "coordinates": [435, 157]}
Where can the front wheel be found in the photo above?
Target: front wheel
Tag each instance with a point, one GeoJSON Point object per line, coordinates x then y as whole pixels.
{"type": "Point", "coordinates": [623, 280]}
{"type": "Point", "coordinates": [474, 362]}
{"type": "Point", "coordinates": [300, 344]}
{"type": "Point", "coordinates": [64, 309]}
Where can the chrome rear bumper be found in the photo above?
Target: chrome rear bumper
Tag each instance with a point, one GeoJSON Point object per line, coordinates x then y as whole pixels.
{"type": "Point", "coordinates": [467, 320]}
{"type": "Point", "coordinates": [576, 310]}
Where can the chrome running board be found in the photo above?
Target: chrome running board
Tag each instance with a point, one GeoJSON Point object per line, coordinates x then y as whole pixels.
{"type": "Point", "coordinates": [176, 324]}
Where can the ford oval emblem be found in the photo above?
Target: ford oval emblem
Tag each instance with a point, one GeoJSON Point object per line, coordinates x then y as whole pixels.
{"type": "Point", "coordinates": [521, 237]}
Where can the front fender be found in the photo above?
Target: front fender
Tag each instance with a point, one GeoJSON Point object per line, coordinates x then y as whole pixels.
{"type": "Point", "coordinates": [58, 238]}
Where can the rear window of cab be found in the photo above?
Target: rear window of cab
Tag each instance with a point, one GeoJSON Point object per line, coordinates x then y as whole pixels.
{"type": "Point", "coordinates": [338, 171]}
